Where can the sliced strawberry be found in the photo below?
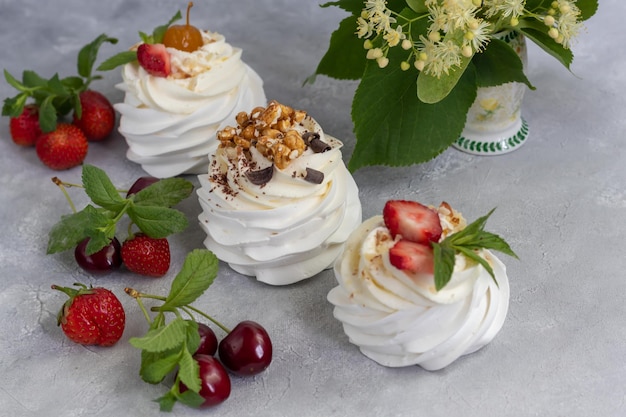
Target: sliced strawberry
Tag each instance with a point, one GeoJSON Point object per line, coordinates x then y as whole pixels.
{"type": "Point", "coordinates": [154, 58]}
{"type": "Point", "coordinates": [412, 257]}
{"type": "Point", "coordinates": [412, 220]}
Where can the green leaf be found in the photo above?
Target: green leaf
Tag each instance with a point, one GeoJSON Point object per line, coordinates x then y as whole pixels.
{"type": "Point", "coordinates": [191, 399]}
{"type": "Point", "coordinates": [164, 338]}
{"type": "Point", "coordinates": [89, 53]}
{"type": "Point", "coordinates": [345, 58]}
{"type": "Point", "coordinates": [352, 6]}
{"type": "Point", "coordinates": [499, 64]}
{"type": "Point", "coordinates": [393, 126]}
{"type": "Point", "coordinates": [14, 106]}
{"type": "Point", "coordinates": [33, 80]}
{"type": "Point", "coordinates": [157, 222]}
{"type": "Point", "coordinates": [100, 189]}
{"type": "Point", "coordinates": [444, 259]}
{"type": "Point", "coordinates": [536, 31]}
{"type": "Point", "coordinates": [195, 277]}
{"type": "Point", "coordinates": [477, 258]}
{"type": "Point", "coordinates": [68, 232]}
{"type": "Point", "coordinates": [56, 87]}
{"type": "Point", "coordinates": [13, 82]}
{"type": "Point", "coordinates": [155, 366]}
{"type": "Point", "coordinates": [587, 8]}
{"type": "Point", "coordinates": [431, 89]}
{"type": "Point", "coordinates": [73, 83]}
{"type": "Point", "coordinates": [47, 115]}
{"type": "Point", "coordinates": [167, 401]}
{"type": "Point", "coordinates": [189, 371]}
{"type": "Point", "coordinates": [418, 6]}
{"type": "Point", "coordinates": [117, 60]}
{"type": "Point", "coordinates": [165, 193]}
{"type": "Point", "coordinates": [192, 343]}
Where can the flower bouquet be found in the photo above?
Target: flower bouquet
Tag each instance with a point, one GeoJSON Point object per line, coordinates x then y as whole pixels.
{"type": "Point", "coordinates": [421, 62]}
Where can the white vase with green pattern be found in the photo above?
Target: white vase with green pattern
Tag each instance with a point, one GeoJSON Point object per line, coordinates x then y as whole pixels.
{"type": "Point", "coordinates": [494, 123]}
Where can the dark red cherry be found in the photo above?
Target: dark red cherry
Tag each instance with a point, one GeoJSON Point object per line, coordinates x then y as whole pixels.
{"type": "Point", "coordinates": [215, 382]}
{"type": "Point", "coordinates": [140, 184]}
{"type": "Point", "coordinates": [208, 340]}
{"type": "Point", "coordinates": [247, 349]}
{"type": "Point", "coordinates": [105, 260]}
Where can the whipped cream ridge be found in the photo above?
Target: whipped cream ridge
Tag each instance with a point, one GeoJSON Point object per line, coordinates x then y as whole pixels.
{"type": "Point", "coordinates": [397, 319]}
{"type": "Point", "coordinates": [288, 228]}
{"type": "Point", "coordinates": [169, 123]}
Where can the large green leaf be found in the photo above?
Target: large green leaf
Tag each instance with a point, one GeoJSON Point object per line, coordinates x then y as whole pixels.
{"type": "Point", "coordinates": [587, 8]}
{"type": "Point", "coordinates": [536, 31]}
{"type": "Point", "coordinates": [499, 64]}
{"type": "Point", "coordinates": [352, 6]}
{"type": "Point", "coordinates": [165, 193]}
{"type": "Point", "coordinates": [195, 277]}
{"type": "Point", "coordinates": [345, 58]}
{"type": "Point", "coordinates": [156, 221]}
{"type": "Point", "coordinates": [393, 127]}
{"type": "Point", "coordinates": [100, 189]}
{"type": "Point", "coordinates": [163, 338]}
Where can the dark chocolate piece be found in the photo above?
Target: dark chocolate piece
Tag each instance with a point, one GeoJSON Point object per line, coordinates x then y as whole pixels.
{"type": "Point", "coordinates": [319, 146]}
{"type": "Point", "coordinates": [314, 176]}
{"type": "Point", "coordinates": [261, 176]}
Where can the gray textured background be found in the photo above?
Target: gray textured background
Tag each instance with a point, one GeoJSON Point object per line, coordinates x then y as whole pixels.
{"type": "Point", "coordinates": [561, 202]}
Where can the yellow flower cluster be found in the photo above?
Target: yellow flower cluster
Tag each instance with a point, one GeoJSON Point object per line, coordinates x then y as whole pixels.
{"type": "Point", "coordinates": [457, 29]}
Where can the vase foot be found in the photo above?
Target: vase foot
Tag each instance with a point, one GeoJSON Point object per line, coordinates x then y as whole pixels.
{"type": "Point", "coordinates": [494, 144]}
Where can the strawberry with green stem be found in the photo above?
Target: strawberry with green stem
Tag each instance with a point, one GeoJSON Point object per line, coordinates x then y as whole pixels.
{"type": "Point", "coordinates": [172, 345]}
{"type": "Point", "coordinates": [54, 97]}
{"type": "Point", "coordinates": [149, 209]}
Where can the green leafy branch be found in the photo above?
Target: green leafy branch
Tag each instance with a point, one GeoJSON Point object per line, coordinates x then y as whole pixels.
{"type": "Point", "coordinates": [169, 346]}
{"type": "Point", "coordinates": [467, 242]}
{"type": "Point", "coordinates": [55, 96]}
{"type": "Point", "coordinates": [150, 210]}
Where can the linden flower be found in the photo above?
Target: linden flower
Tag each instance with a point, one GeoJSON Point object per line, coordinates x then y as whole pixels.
{"type": "Point", "coordinates": [508, 8]}
{"type": "Point", "coordinates": [364, 28]}
{"type": "Point", "coordinates": [393, 37]}
{"type": "Point", "coordinates": [478, 34]}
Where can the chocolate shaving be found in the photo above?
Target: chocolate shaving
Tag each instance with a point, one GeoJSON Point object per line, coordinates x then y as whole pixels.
{"type": "Point", "coordinates": [314, 176]}
{"type": "Point", "coordinates": [261, 176]}
{"type": "Point", "coordinates": [307, 137]}
{"type": "Point", "coordinates": [319, 146]}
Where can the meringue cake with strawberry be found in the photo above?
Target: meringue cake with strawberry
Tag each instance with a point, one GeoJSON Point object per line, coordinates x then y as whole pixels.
{"type": "Point", "coordinates": [181, 85]}
{"type": "Point", "coordinates": [419, 286]}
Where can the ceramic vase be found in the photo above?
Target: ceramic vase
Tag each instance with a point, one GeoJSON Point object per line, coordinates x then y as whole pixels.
{"type": "Point", "coordinates": [494, 123]}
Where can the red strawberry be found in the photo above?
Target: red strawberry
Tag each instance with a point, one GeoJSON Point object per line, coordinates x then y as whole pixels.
{"type": "Point", "coordinates": [154, 58]}
{"type": "Point", "coordinates": [412, 257]}
{"type": "Point", "coordinates": [92, 316]}
{"type": "Point", "coordinates": [63, 148]}
{"type": "Point", "coordinates": [25, 128]}
{"type": "Point", "coordinates": [412, 220]}
{"type": "Point", "coordinates": [97, 118]}
{"type": "Point", "coordinates": [146, 256]}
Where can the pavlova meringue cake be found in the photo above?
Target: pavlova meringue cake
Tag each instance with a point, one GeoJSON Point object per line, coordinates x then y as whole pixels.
{"type": "Point", "coordinates": [278, 202]}
{"type": "Point", "coordinates": [169, 121]}
{"type": "Point", "coordinates": [407, 293]}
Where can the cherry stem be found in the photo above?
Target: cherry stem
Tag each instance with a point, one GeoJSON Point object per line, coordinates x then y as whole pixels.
{"type": "Point", "coordinates": [189, 6]}
{"type": "Point", "coordinates": [62, 186]}
{"type": "Point", "coordinates": [203, 314]}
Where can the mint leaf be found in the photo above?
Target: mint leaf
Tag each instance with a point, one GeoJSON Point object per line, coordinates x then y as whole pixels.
{"type": "Point", "coordinates": [167, 337]}
{"type": "Point", "coordinates": [499, 64]}
{"type": "Point", "coordinates": [47, 115]}
{"type": "Point", "coordinates": [89, 53]}
{"type": "Point", "coordinates": [195, 277]}
{"type": "Point", "coordinates": [471, 254]}
{"type": "Point", "coordinates": [156, 366]}
{"type": "Point", "coordinates": [191, 399]}
{"type": "Point", "coordinates": [157, 222]}
{"type": "Point", "coordinates": [13, 82]}
{"type": "Point", "coordinates": [392, 124]}
{"type": "Point", "coordinates": [68, 232]}
{"type": "Point", "coordinates": [14, 106]}
{"type": "Point", "coordinates": [166, 193]}
{"type": "Point", "coordinates": [345, 58]}
{"type": "Point", "coordinates": [166, 402]}
{"type": "Point", "coordinates": [444, 259]}
{"type": "Point", "coordinates": [117, 60]}
{"type": "Point", "coordinates": [100, 189]}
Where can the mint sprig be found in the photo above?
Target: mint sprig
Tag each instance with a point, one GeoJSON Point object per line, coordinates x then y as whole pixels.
{"type": "Point", "coordinates": [168, 346]}
{"type": "Point", "coordinates": [126, 57]}
{"type": "Point", "coordinates": [467, 242]}
{"type": "Point", "coordinates": [150, 210]}
{"type": "Point", "coordinates": [55, 96]}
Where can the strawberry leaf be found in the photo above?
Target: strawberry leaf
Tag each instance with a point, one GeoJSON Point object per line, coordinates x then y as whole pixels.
{"type": "Point", "coordinates": [164, 338]}
{"type": "Point", "coordinates": [195, 277]}
{"type": "Point", "coordinates": [157, 222]}
{"type": "Point", "coordinates": [100, 189]}
{"type": "Point", "coordinates": [165, 193]}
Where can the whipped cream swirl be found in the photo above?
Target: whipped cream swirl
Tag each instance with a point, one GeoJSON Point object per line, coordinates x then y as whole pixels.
{"type": "Point", "coordinates": [169, 123]}
{"type": "Point", "coordinates": [397, 319]}
{"type": "Point", "coordinates": [287, 229]}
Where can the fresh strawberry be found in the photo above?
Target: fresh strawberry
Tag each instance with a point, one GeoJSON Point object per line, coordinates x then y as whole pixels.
{"type": "Point", "coordinates": [97, 118]}
{"type": "Point", "coordinates": [25, 128]}
{"type": "Point", "coordinates": [92, 316]}
{"type": "Point", "coordinates": [154, 58]}
{"type": "Point", "coordinates": [63, 148]}
{"type": "Point", "coordinates": [412, 257]}
{"type": "Point", "coordinates": [146, 256]}
{"type": "Point", "coordinates": [412, 220]}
